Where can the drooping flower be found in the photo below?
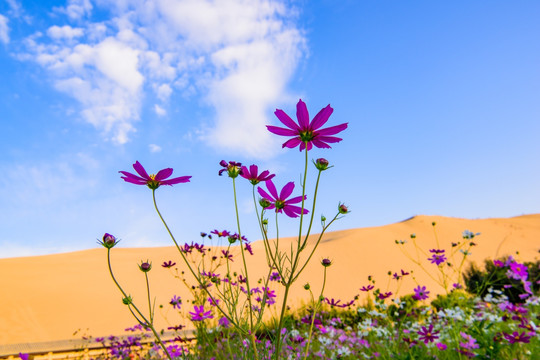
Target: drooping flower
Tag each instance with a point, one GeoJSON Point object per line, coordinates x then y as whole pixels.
{"type": "Point", "coordinates": [152, 181]}
{"type": "Point", "coordinates": [232, 168]}
{"type": "Point", "coordinates": [252, 174]}
{"type": "Point", "coordinates": [280, 202]}
{"type": "Point", "coordinates": [198, 314]}
{"type": "Point", "coordinates": [427, 335]}
{"type": "Point", "coordinates": [168, 264]}
{"type": "Point", "coordinates": [306, 133]}
{"type": "Point", "coordinates": [420, 293]}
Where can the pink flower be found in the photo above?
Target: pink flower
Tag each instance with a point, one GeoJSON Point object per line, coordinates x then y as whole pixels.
{"type": "Point", "coordinates": [306, 133]}
{"type": "Point", "coordinates": [280, 202]}
{"type": "Point", "coordinates": [152, 181]}
{"type": "Point", "coordinates": [252, 174]}
{"type": "Point", "coordinates": [199, 314]}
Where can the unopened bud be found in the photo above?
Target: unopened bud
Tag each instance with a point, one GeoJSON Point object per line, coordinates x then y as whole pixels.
{"type": "Point", "coordinates": [307, 287]}
{"type": "Point", "coordinates": [264, 203]}
{"type": "Point", "coordinates": [145, 266]}
{"type": "Point", "coordinates": [326, 262]}
{"type": "Point", "coordinates": [108, 241]}
{"type": "Point", "coordinates": [343, 209]}
{"type": "Point", "coordinates": [321, 164]}
{"type": "Point", "coordinates": [127, 300]}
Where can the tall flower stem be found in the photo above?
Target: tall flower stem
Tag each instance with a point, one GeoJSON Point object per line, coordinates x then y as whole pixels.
{"type": "Point", "coordinates": [146, 322]}
{"type": "Point", "coordinates": [252, 335]}
{"type": "Point", "coordinates": [315, 309]}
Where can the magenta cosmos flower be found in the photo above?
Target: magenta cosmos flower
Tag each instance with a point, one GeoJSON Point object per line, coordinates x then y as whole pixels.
{"type": "Point", "coordinates": [199, 314]}
{"type": "Point", "coordinates": [252, 174]}
{"type": "Point", "coordinates": [280, 202]}
{"type": "Point", "coordinates": [152, 181]}
{"type": "Point", "coordinates": [307, 133]}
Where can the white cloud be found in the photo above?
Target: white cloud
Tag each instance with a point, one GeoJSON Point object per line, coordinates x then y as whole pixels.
{"type": "Point", "coordinates": [238, 55]}
{"type": "Point", "coordinates": [159, 110]}
{"type": "Point", "coordinates": [77, 9]}
{"type": "Point", "coordinates": [64, 32]}
{"type": "Point", "coordinates": [15, 8]}
{"type": "Point", "coordinates": [4, 29]}
{"type": "Point", "coordinates": [154, 148]}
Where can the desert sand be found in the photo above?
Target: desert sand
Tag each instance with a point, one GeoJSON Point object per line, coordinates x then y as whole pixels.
{"type": "Point", "coordinates": [48, 298]}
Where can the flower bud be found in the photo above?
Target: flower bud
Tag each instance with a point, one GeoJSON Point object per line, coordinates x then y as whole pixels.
{"type": "Point", "coordinates": [343, 209]}
{"type": "Point", "coordinates": [323, 218]}
{"type": "Point", "coordinates": [108, 241]}
{"type": "Point", "coordinates": [326, 262]}
{"type": "Point", "coordinates": [307, 286]}
{"type": "Point", "coordinates": [145, 266]}
{"type": "Point", "coordinates": [232, 239]}
{"type": "Point", "coordinates": [321, 164]}
{"type": "Point", "coordinates": [264, 203]}
{"type": "Point", "coordinates": [127, 300]}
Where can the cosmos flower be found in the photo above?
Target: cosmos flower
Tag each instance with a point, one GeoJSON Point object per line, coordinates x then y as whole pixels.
{"type": "Point", "coordinates": [280, 202]}
{"type": "Point", "coordinates": [252, 174]}
{"type": "Point", "coordinates": [176, 301]}
{"type": "Point", "coordinates": [517, 337]}
{"type": "Point", "coordinates": [168, 264]}
{"type": "Point", "coordinates": [420, 293]}
{"type": "Point", "coordinates": [438, 256]}
{"type": "Point", "coordinates": [306, 133]}
{"type": "Point", "coordinates": [427, 335]}
{"type": "Point", "coordinates": [232, 168]}
{"type": "Point", "coordinates": [152, 181]}
{"type": "Point", "coordinates": [198, 314]}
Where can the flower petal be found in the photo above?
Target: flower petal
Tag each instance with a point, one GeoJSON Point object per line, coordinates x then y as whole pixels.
{"type": "Point", "coordinates": [295, 200]}
{"type": "Point", "coordinates": [286, 120]}
{"type": "Point", "coordinates": [253, 170]}
{"type": "Point", "coordinates": [281, 131]}
{"type": "Point", "coordinates": [302, 115]}
{"type": "Point", "coordinates": [163, 174]}
{"type": "Point", "coordinates": [321, 118]}
{"type": "Point", "coordinates": [272, 188]}
{"type": "Point", "coordinates": [332, 130]}
{"type": "Point", "coordinates": [134, 179]}
{"type": "Point", "coordinates": [140, 170]}
{"type": "Point", "coordinates": [264, 194]}
{"type": "Point", "coordinates": [177, 180]}
{"type": "Point", "coordinates": [244, 172]}
{"type": "Point", "coordinates": [321, 144]}
{"type": "Point", "coordinates": [292, 143]}
{"type": "Point", "coordinates": [286, 191]}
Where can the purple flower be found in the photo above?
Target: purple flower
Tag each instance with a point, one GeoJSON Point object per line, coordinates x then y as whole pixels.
{"type": "Point", "coordinates": [168, 264]}
{"type": "Point", "coordinates": [232, 168]}
{"type": "Point", "coordinates": [438, 256]}
{"type": "Point", "coordinates": [367, 288]}
{"type": "Point", "coordinates": [517, 337]}
{"type": "Point", "coordinates": [176, 301]}
{"type": "Point", "coordinates": [441, 346]}
{"type": "Point", "coordinates": [199, 314]}
{"type": "Point", "coordinates": [471, 342]}
{"type": "Point", "coordinates": [223, 233]}
{"type": "Point", "coordinates": [152, 181]}
{"type": "Point", "coordinates": [420, 293]}
{"type": "Point", "coordinates": [109, 241]}
{"type": "Point", "coordinates": [24, 356]}
{"type": "Point", "coordinates": [249, 248]}
{"type": "Point", "coordinates": [275, 276]}
{"type": "Point", "coordinates": [385, 295]}
{"type": "Point", "coordinates": [428, 335]}
{"type": "Point", "coordinates": [253, 176]}
{"type": "Point", "coordinates": [224, 322]}
{"type": "Point", "coordinates": [280, 202]}
{"type": "Point", "coordinates": [306, 133]}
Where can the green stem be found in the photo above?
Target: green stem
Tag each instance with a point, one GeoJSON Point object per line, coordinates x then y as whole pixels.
{"type": "Point", "coordinates": [147, 323]}
{"type": "Point", "coordinates": [149, 302]}
{"type": "Point", "coordinates": [315, 309]}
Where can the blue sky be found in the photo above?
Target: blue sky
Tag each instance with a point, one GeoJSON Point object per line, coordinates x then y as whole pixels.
{"type": "Point", "coordinates": [442, 101]}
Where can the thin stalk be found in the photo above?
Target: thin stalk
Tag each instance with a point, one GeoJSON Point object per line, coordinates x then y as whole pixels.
{"type": "Point", "coordinates": [136, 309]}
{"type": "Point", "coordinates": [149, 302]}
{"type": "Point", "coordinates": [315, 308]}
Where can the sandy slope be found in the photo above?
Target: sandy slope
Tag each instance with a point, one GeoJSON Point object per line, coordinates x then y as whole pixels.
{"type": "Point", "coordinates": [50, 297]}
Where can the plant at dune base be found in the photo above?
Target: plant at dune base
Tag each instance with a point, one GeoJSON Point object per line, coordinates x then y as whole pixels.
{"type": "Point", "coordinates": [459, 325]}
{"type": "Point", "coordinates": [233, 297]}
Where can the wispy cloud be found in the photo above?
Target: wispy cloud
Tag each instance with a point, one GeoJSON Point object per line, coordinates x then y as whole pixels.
{"type": "Point", "coordinates": [4, 29]}
{"type": "Point", "coordinates": [236, 55]}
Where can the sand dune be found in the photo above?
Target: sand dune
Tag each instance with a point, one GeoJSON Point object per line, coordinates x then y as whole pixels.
{"type": "Point", "coordinates": [48, 298]}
